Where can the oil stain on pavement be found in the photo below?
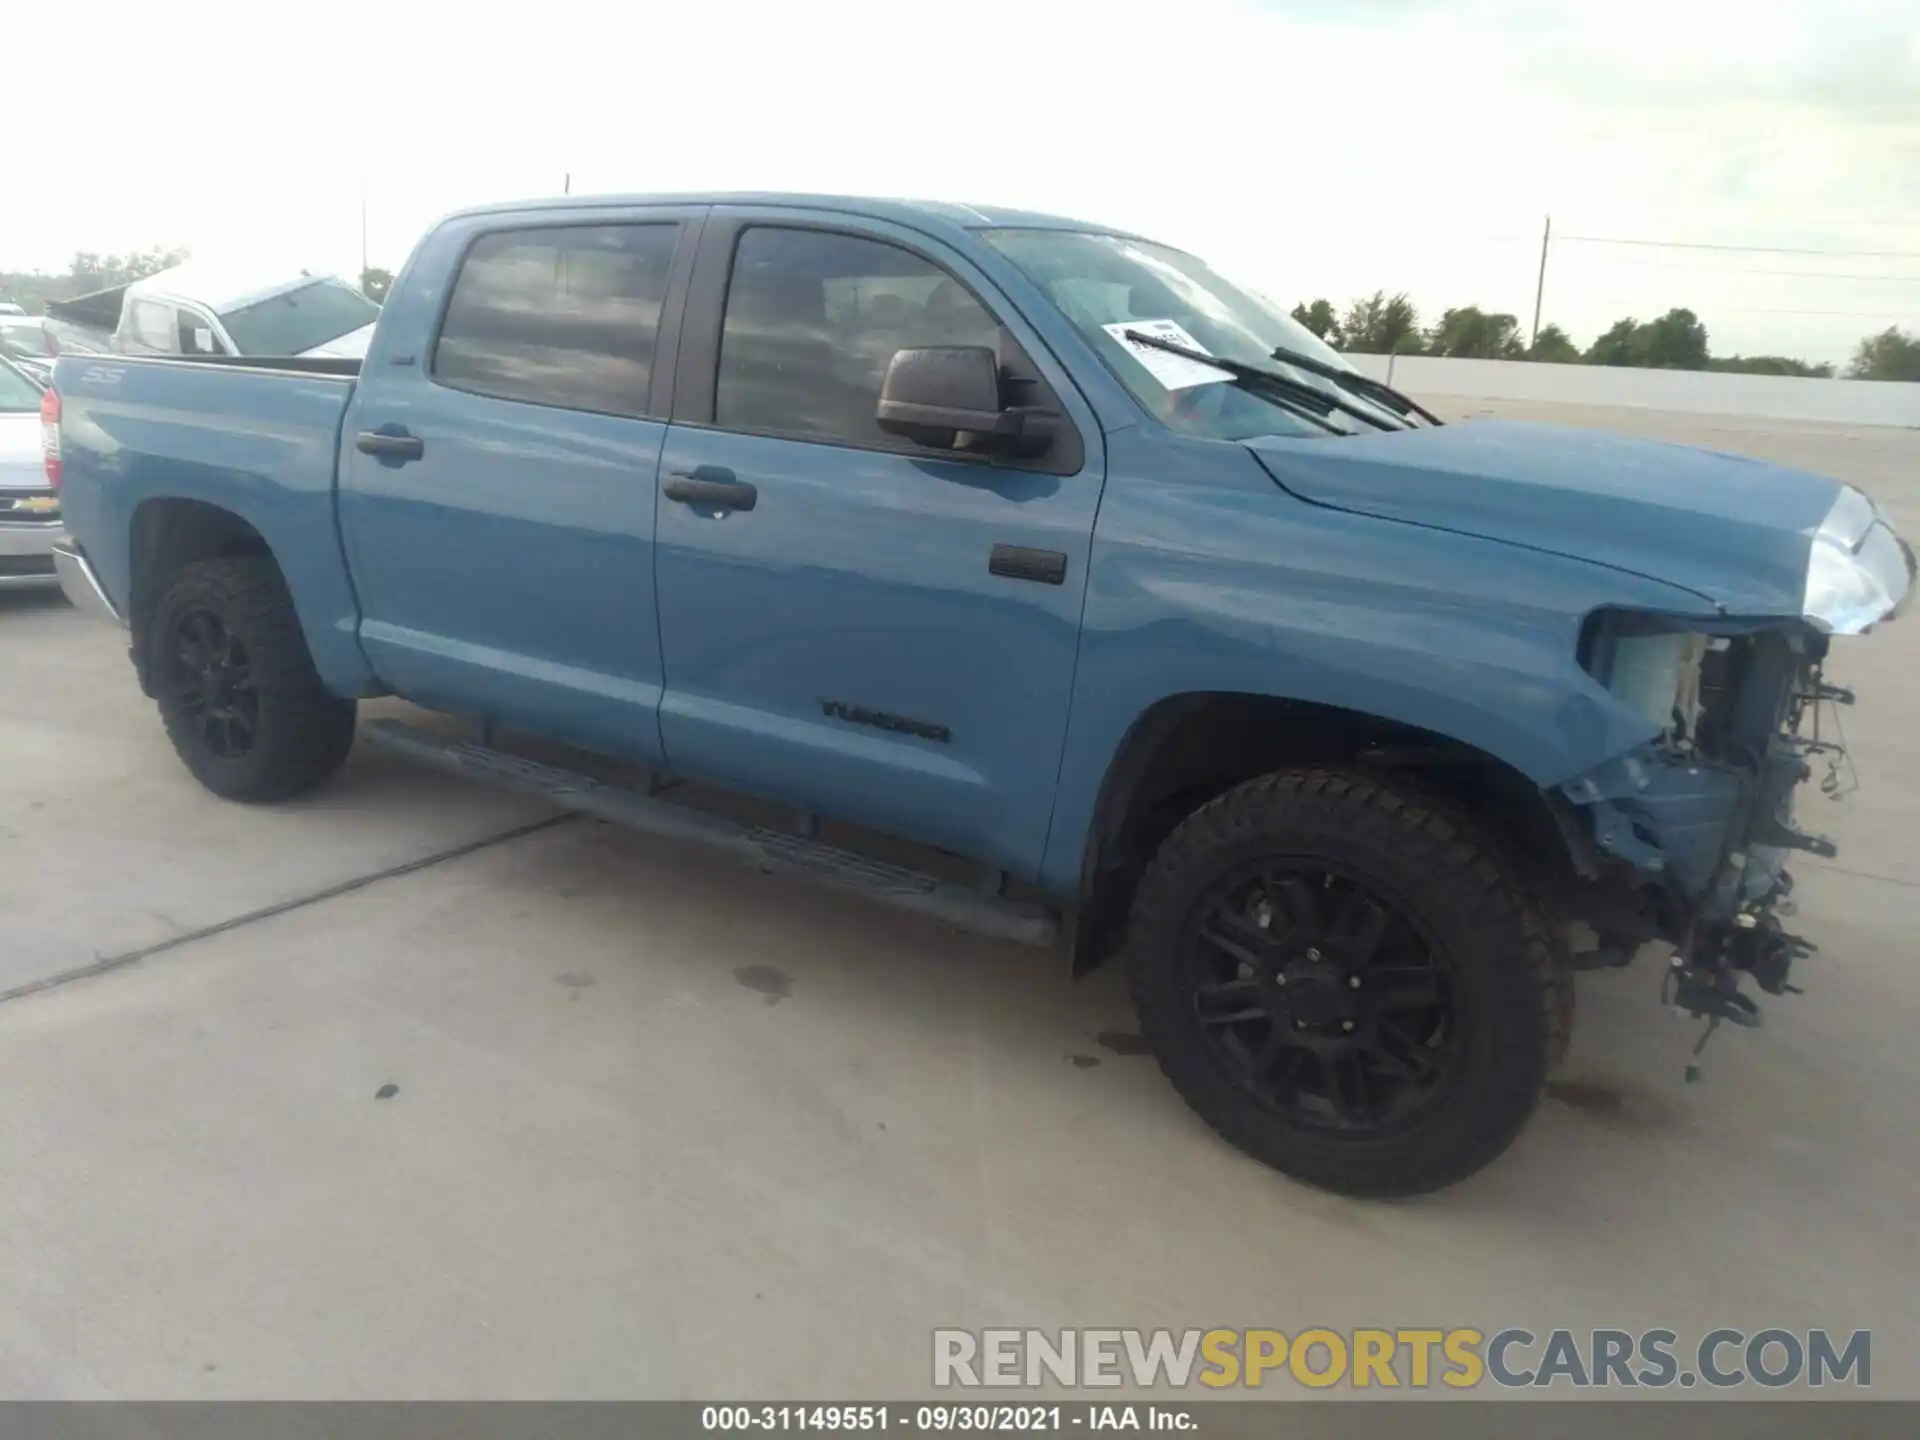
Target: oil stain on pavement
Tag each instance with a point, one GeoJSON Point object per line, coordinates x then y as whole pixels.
{"type": "Point", "coordinates": [776, 985]}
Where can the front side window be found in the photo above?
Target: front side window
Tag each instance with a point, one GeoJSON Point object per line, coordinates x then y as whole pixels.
{"type": "Point", "coordinates": [813, 319]}
{"type": "Point", "coordinates": [298, 320]}
{"type": "Point", "coordinates": [563, 316]}
{"type": "Point", "coordinates": [1108, 284]}
{"type": "Point", "coordinates": [197, 335]}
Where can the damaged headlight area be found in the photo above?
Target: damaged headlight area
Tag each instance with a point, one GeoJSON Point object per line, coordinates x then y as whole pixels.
{"type": "Point", "coordinates": [1689, 832]}
{"type": "Point", "coordinates": [1859, 571]}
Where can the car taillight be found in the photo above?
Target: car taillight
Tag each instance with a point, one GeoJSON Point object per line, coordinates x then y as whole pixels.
{"type": "Point", "coordinates": [50, 435]}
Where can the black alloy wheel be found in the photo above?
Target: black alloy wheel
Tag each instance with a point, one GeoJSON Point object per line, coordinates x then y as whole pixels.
{"type": "Point", "coordinates": [210, 677]}
{"type": "Point", "coordinates": [1317, 994]}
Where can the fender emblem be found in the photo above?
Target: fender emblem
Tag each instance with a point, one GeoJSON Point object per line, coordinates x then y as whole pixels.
{"type": "Point", "coordinates": [883, 720]}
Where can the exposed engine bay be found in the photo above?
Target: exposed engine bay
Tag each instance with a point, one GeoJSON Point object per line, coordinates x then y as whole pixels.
{"type": "Point", "coordinates": [1691, 832]}
{"type": "Point", "coordinates": [1686, 837]}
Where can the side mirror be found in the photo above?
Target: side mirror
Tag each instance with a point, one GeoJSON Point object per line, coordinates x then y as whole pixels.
{"type": "Point", "coordinates": [934, 394]}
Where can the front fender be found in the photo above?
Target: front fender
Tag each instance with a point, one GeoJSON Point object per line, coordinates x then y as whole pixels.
{"type": "Point", "coordinates": [1224, 583]}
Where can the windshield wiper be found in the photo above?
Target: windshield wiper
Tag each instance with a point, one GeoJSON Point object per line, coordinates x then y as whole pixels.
{"type": "Point", "coordinates": [1362, 385]}
{"type": "Point", "coordinates": [1308, 401]}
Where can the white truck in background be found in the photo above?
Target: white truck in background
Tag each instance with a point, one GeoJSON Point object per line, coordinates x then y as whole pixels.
{"type": "Point", "coordinates": [211, 308]}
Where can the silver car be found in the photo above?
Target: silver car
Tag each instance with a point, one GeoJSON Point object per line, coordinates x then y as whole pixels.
{"type": "Point", "coordinates": [29, 505]}
{"type": "Point", "coordinates": [23, 340]}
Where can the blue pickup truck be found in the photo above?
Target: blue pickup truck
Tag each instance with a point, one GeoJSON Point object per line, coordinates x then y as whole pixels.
{"type": "Point", "coordinates": [1047, 547]}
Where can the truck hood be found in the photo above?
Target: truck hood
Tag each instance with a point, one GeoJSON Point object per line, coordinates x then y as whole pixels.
{"type": "Point", "coordinates": [350, 346]}
{"type": "Point", "coordinates": [1735, 531]}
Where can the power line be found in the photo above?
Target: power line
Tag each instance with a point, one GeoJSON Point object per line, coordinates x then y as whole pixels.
{"type": "Point", "coordinates": [1750, 249]}
{"type": "Point", "coordinates": [1853, 314]}
{"type": "Point", "coordinates": [1796, 274]}
{"type": "Point", "coordinates": [1830, 275]}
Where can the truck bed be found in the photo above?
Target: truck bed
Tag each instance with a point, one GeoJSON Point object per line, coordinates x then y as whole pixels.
{"type": "Point", "coordinates": [255, 438]}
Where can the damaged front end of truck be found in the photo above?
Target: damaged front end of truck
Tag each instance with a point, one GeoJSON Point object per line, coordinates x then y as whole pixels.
{"type": "Point", "coordinates": [1686, 839]}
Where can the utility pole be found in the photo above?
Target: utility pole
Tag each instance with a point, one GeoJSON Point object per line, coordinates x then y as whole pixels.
{"type": "Point", "coordinates": [363, 227]}
{"type": "Point", "coordinates": [566, 185]}
{"type": "Point", "coordinates": [1540, 288]}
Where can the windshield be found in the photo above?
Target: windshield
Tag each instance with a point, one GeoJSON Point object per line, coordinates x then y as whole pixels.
{"type": "Point", "coordinates": [300, 320]}
{"type": "Point", "coordinates": [17, 392]}
{"type": "Point", "coordinates": [24, 336]}
{"type": "Point", "coordinates": [1108, 284]}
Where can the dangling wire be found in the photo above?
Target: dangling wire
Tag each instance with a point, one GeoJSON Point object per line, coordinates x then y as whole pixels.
{"type": "Point", "coordinates": [1838, 757]}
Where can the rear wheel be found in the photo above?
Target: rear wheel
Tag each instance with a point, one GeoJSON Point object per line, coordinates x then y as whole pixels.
{"type": "Point", "coordinates": [236, 685]}
{"type": "Point", "coordinates": [1346, 982]}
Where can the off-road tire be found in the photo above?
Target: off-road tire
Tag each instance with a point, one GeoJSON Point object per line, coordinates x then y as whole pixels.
{"type": "Point", "coordinates": [1509, 981]}
{"type": "Point", "coordinates": [302, 734]}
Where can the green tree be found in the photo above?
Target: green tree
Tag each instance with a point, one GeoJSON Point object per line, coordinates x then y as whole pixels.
{"type": "Point", "coordinates": [1616, 346]}
{"type": "Point", "coordinates": [1769, 365]}
{"type": "Point", "coordinates": [100, 272]}
{"type": "Point", "coordinates": [1676, 341]}
{"type": "Point", "coordinates": [1893, 354]}
{"type": "Point", "coordinates": [1377, 324]}
{"type": "Point", "coordinates": [1470, 333]}
{"type": "Point", "coordinates": [1553, 346]}
{"type": "Point", "coordinates": [375, 283]}
{"type": "Point", "coordinates": [1319, 317]}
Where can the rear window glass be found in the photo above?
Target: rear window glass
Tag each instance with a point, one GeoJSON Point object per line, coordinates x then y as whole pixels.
{"type": "Point", "coordinates": [26, 336]}
{"type": "Point", "coordinates": [302, 319]}
{"type": "Point", "coordinates": [564, 316]}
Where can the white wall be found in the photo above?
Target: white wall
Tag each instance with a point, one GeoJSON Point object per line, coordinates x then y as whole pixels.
{"type": "Point", "coordinates": [1780, 397]}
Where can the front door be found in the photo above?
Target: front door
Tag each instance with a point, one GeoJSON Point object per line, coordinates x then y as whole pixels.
{"type": "Point", "coordinates": [497, 485]}
{"type": "Point", "coordinates": [875, 630]}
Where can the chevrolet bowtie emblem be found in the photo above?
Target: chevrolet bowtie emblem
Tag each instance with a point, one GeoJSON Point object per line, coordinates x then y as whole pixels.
{"type": "Point", "coordinates": [37, 505]}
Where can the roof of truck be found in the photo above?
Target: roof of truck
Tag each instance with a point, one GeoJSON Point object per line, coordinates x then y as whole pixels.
{"type": "Point", "coordinates": [224, 285]}
{"type": "Point", "coordinates": [915, 213]}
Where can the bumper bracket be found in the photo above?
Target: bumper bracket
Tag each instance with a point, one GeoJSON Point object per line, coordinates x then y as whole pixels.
{"type": "Point", "coordinates": [80, 585]}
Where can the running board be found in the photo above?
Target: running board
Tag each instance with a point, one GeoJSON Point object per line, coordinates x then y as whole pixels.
{"type": "Point", "coordinates": [964, 907]}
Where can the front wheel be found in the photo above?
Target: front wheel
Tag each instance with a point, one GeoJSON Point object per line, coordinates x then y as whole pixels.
{"type": "Point", "coordinates": [1345, 981]}
{"type": "Point", "coordinates": [236, 685]}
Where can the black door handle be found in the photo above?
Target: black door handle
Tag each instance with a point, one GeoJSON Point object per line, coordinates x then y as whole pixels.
{"type": "Point", "coordinates": [389, 446]}
{"type": "Point", "coordinates": [709, 492]}
{"type": "Point", "coordinates": [1017, 562]}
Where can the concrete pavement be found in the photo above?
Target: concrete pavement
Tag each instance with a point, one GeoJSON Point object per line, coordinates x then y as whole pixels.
{"type": "Point", "coordinates": [663, 1126]}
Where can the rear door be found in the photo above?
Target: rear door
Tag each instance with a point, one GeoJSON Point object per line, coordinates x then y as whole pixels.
{"type": "Point", "coordinates": [497, 473]}
{"type": "Point", "coordinates": [888, 634]}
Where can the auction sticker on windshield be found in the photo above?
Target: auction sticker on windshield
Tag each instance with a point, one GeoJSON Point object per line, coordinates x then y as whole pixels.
{"type": "Point", "coordinates": [1176, 372]}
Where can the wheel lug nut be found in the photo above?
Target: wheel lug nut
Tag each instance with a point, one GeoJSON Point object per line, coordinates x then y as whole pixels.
{"type": "Point", "coordinates": [1281, 981]}
{"type": "Point", "coordinates": [1346, 1025]}
{"type": "Point", "coordinates": [1353, 982]}
{"type": "Point", "coordinates": [1313, 954]}
{"type": "Point", "coordinates": [1299, 1024]}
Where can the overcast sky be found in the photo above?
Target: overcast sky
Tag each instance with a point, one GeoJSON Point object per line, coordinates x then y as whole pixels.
{"type": "Point", "coordinates": [1309, 147]}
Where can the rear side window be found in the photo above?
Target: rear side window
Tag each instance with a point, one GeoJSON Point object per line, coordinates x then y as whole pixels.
{"type": "Point", "coordinates": [562, 316]}
{"type": "Point", "coordinates": [153, 326]}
